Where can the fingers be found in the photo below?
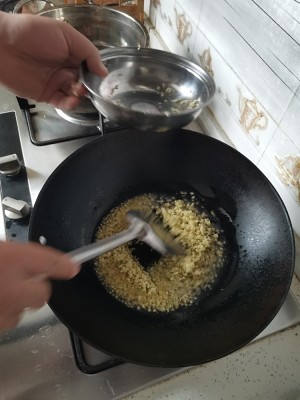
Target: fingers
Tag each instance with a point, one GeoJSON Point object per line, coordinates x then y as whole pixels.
{"type": "Point", "coordinates": [24, 294]}
{"type": "Point", "coordinates": [35, 260]}
{"type": "Point", "coordinates": [69, 91]}
{"type": "Point", "coordinates": [25, 273]}
{"type": "Point", "coordinates": [63, 102]}
{"type": "Point", "coordinates": [58, 270]}
{"type": "Point", "coordinates": [96, 66]}
{"type": "Point", "coordinates": [36, 294]}
{"type": "Point", "coordinates": [77, 89]}
{"type": "Point", "coordinates": [9, 321]}
{"type": "Point", "coordinates": [51, 264]}
{"type": "Point", "coordinates": [69, 96]}
{"type": "Point", "coordinates": [82, 49]}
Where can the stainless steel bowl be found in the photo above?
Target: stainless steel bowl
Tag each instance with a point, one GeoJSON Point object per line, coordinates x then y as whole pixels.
{"type": "Point", "coordinates": [104, 26]}
{"type": "Point", "coordinates": [32, 6]}
{"type": "Point", "coordinates": [149, 89]}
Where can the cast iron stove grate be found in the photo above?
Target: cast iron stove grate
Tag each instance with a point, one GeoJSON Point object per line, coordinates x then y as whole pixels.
{"type": "Point", "coordinates": [46, 126]}
{"type": "Point", "coordinates": [81, 360]}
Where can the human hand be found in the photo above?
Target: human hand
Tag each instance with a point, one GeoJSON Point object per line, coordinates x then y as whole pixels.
{"type": "Point", "coordinates": [41, 58]}
{"type": "Point", "coordinates": [25, 273]}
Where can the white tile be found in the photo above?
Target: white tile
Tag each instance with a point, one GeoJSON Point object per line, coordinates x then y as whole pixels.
{"type": "Point", "coordinates": [267, 87]}
{"type": "Point", "coordinates": [147, 6]}
{"type": "Point", "coordinates": [206, 55]}
{"type": "Point", "coordinates": [184, 27]}
{"type": "Point", "coordinates": [166, 32]}
{"type": "Point", "coordinates": [153, 11]}
{"type": "Point", "coordinates": [257, 124]}
{"type": "Point", "coordinates": [255, 121]}
{"type": "Point", "coordinates": [291, 205]}
{"type": "Point", "coordinates": [297, 266]}
{"type": "Point", "coordinates": [156, 42]}
{"type": "Point", "coordinates": [252, 49]}
{"type": "Point", "coordinates": [192, 8]}
{"type": "Point", "coordinates": [275, 38]}
{"type": "Point", "coordinates": [241, 140]}
{"type": "Point", "coordinates": [220, 112]}
{"type": "Point", "coordinates": [279, 151]}
{"type": "Point", "coordinates": [265, 58]}
{"type": "Point", "coordinates": [233, 130]}
{"type": "Point", "coordinates": [166, 10]}
{"type": "Point", "coordinates": [210, 126]}
{"type": "Point", "coordinates": [290, 123]}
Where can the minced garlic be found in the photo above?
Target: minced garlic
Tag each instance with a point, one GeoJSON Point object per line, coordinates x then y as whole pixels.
{"type": "Point", "coordinates": [170, 282]}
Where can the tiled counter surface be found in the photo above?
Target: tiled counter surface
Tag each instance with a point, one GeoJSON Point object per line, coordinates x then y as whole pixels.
{"type": "Point", "coordinates": [267, 369]}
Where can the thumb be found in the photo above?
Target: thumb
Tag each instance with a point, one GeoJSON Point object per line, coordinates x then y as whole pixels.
{"type": "Point", "coordinates": [82, 49]}
{"type": "Point", "coordinates": [96, 66]}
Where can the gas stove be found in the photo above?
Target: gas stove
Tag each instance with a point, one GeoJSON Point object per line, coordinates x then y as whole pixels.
{"type": "Point", "coordinates": [41, 357]}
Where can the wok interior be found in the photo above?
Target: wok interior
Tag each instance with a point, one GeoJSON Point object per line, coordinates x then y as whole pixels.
{"type": "Point", "coordinates": [206, 201]}
{"type": "Point", "coordinates": [251, 288]}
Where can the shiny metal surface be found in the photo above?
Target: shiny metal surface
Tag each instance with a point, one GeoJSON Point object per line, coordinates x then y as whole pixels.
{"type": "Point", "coordinates": [149, 89]}
{"type": "Point", "coordinates": [84, 118]}
{"type": "Point", "coordinates": [140, 227]}
{"type": "Point", "coordinates": [37, 359]}
{"type": "Point", "coordinates": [15, 209]}
{"type": "Point", "coordinates": [10, 165]}
{"type": "Point", "coordinates": [32, 6]}
{"type": "Point", "coordinates": [104, 26]}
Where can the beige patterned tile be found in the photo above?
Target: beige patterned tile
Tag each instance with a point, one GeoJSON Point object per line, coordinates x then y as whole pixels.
{"type": "Point", "coordinates": [283, 156]}
{"type": "Point", "coordinates": [289, 201]}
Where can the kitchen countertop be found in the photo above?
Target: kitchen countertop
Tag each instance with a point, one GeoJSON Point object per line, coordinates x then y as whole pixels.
{"type": "Point", "coordinates": [267, 369]}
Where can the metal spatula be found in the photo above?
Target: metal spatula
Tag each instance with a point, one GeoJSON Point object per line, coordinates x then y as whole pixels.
{"type": "Point", "coordinates": [143, 227]}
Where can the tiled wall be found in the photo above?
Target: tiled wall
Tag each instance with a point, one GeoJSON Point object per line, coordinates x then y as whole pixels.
{"type": "Point", "coordinates": [252, 49]}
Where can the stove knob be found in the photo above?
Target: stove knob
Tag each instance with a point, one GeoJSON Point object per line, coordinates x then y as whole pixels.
{"type": "Point", "coordinates": [15, 209]}
{"type": "Point", "coordinates": [10, 165]}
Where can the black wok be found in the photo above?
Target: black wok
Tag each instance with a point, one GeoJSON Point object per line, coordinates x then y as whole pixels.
{"type": "Point", "coordinates": [248, 293]}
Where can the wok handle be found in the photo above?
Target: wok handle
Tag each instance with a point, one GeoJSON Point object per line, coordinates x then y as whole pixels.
{"type": "Point", "coordinates": [93, 250]}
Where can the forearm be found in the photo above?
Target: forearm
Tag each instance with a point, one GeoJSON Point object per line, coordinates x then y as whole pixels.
{"type": "Point", "coordinates": [8, 48]}
{"type": "Point", "coordinates": [24, 41]}
{"type": "Point", "coordinates": [41, 57]}
{"type": "Point", "coordinates": [5, 46]}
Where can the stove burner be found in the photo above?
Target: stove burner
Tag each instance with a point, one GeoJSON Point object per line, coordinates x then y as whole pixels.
{"type": "Point", "coordinates": [85, 119]}
{"type": "Point", "coordinates": [47, 125]}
